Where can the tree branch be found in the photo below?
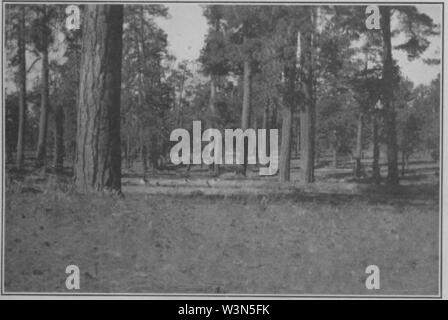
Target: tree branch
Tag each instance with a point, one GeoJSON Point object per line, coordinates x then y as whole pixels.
{"type": "Point", "coordinates": [32, 65]}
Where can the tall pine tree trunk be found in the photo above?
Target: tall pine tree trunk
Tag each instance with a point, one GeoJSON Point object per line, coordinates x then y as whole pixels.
{"type": "Point", "coordinates": [43, 119]}
{"type": "Point", "coordinates": [98, 156]}
{"type": "Point", "coordinates": [154, 153]}
{"type": "Point", "coordinates": [403, 163]}
{"type": "Point", "coordinates": [245, 114]}
{"type": "Point", "coordinates": [22, 89]}
{"type": "Point", "coordinates": [308, 110]}
{"type": "Point", "coordinates": [297, 126]}
{"type": "Point", "coordinates": [285, 147]}
{"type": "Point", "coordinates": [358, 153]}
{"type": "Point", "coordinates": [290, 72]}
{"type": "Point", "coordinates": [376, 175]}
{"type": "Point", "coordinates": [128, 151]}
{"type": "Point", "coordinates": [213, 115]}
{"type": "Point", "coordinates": [335, 156]}
{"type": "Point", "coordinates": [144, 153]}
{"type": "Point", "coordinates": [58, 138]}
{"type": "Point", "coordinates": [265, 119]}
{"type": "Point", "coordinates": [273, 123]}
{"type": "Point", "coordinates": [390, 114]}
{"type": "Point", "coordinates": [212, 101]}
{"type": "Point", "coordinates": [178, 108]}
{"type": "Point", "coordinates": [266, 123]}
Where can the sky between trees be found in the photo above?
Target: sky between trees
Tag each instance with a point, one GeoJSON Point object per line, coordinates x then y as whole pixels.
{"type": "Point", "coordinates": [186, 29]}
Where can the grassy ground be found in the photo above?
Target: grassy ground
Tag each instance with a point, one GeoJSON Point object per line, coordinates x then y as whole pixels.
{"type": "Point", "coordinates": [278, 244]}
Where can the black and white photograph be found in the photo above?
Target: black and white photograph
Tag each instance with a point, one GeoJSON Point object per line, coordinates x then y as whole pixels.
{"type": "Point", "coordinates": [222, 149]}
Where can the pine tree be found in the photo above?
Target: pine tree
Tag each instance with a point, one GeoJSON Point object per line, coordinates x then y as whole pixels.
{"type": "Point", "coordinates": [98, 157]}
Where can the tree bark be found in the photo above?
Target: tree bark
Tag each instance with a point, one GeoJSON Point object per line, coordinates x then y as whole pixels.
{"type": "Point", "coordinates": [178, 109]}
{"type": "Point", "coordinates": [285, 147]}
{"type": "Point", "coordinates": [274, 115]}
{"type": "Point", "coordinates": [308, 110]}
{"type": "Point", "coordinates": [213, 115]}
{"type": "Point", "coordinates": [376, 175]}
{"type": "Point", "coordinates": [245, 114]}
{"type": "Point", "coordinates": [43, 119]}
{"type": "Point", "coordinates": [59, 138]}
{"type": "Point", "coordinates": [358, 153]}
{"type": "Point", "coordinates": [98, 156]}
{"type": "Point", "coordinates": [289, 100]}
{"type": "Point", "coordinates": [390, 114]}
{"type": "Point", "coordinates": [403, 163]}
{"type": "Point", "coordinates": [144, 159]}
{"type": "Point", "coordinates": [335, 156]}
{"type": "Point", "coordinates": [128, 151]}
{"type": "Point", "coordinates": [297, 126]}
{"type": "Point", "coordinates": [265, 119]}
{"type": "Point", "coordinates": [212, 97]}
{"type": "Point", "coordinates": [154, 155]}
{"type": "Point", "coordinates": [22, 89]}
{"type": "Point", "coordinates": [265, 124]}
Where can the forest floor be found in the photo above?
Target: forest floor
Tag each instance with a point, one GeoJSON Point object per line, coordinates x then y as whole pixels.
{"type": "Point", "coordinates": [243, 242]}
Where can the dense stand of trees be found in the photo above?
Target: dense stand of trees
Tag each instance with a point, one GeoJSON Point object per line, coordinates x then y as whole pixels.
{"type": "Point", "coordinates": [111, 91]}
{"type": "Point", "coordinates": [324, 90]}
